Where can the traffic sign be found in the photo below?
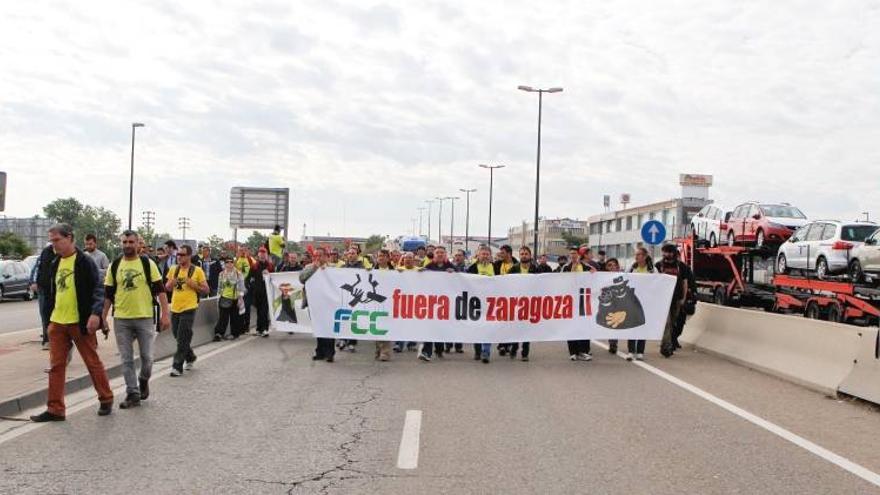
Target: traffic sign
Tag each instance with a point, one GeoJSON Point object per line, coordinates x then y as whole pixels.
{"type": "Point", "coordinates": [653, 232]}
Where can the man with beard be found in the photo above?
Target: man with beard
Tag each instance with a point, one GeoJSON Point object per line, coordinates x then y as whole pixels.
{"type": "Point", "coordinates": [671, 265]}
{"type": "Point", "coordinates": [525, 266]}
{"type": "Point", "coordinates": [131, 285]}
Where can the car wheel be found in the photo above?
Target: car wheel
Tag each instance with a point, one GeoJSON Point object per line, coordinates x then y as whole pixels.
{"type": "Point", "coordinates": [730, 238]}
{"type": "Point", "coordinates": [835, 313]}
{"type": "Point", "coordinates": [713, 242]}
{"type": "Point", "coordinates": [720, 296]}
{"type": "Point", "coordinates": [759, 239]}
{"type": "Point", "coordinates": [855, 272]}
{"type": "Point", "coordinates": [812, 310]}
{"type": "Point", "coordinates": [821, 268]}
{"type": "Point", "coordinates": [782, 265]}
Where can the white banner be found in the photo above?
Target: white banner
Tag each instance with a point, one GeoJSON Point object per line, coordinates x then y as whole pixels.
{"type": "Point", "coordinates": [285, 294]}
{"type": "Point", "coordinates": [454, 307]}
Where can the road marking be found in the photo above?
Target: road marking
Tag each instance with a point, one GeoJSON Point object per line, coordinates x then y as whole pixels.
{"type": "Point", "coordinates": [118, 386]}
{"type": "Point", "coordinates": [838, 460]}
{"type": "Point", "coordinates": [38, 331]}
{"type": "Point", "coordinates": [408, 454]}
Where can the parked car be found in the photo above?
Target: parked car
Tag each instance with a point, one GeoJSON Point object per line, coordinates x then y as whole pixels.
{"type": "Point", "coordinates": [823, 246]}
{"type": "Point", "coordinates": [763, 224]}
{"type": "Point", "coordinates": [865, 260]}
{"type": "Point", "coordinates": [708, 224]}
{"type": "Point", "coordinates": [15, 280]}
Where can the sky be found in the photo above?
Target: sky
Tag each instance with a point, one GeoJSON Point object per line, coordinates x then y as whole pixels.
{"type": "Point", "coordinates": [367, 109]}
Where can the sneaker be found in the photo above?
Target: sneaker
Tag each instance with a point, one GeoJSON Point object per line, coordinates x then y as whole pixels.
{"type": "Point", "coordinates": [189, 365]}
{"type": "Point", "coordinates": [340, 344]}
{"type": "Point", "coordinates": [329, 359]}
{"type": "Point", "coordinates": [105, 409]}
{"type": "Point", "coordinates": [584, 357]}
{"type": "Point", "coordinates": [176, 372]}
{"type": "Point", "coordinates": [144, 385]}
{"type": "Point", "coordinates": [612, 349]}
{"type": "Point", "coordinates": [502, 351]}
{"type": "Point", "coordinates": [425, 357]}
{"type": "Point", "coordinates": [397, 349]}
{"type": "Point", "coordinates": [317, 358]}
{"type": "Point", "coordinates": [628, 356]}
{"type": "Point", "coordinates": [131, 400]}
{"type": "Point", "coordinates": [485, 358]}
{"type": "Point", "coordinates": [265, 334]}
{"type": "Point", "coordinates": [573, 357]}
{"type": "Point", "coordinates": [640, 357]}
{"type": "Point", "coordinates": [45, 347]}
{"type": "Point", "coordinates": [231, 337]}
{"type": "Point", "coordinates": [525, 358]}
{"type": "Point", "coordinates": [459, 351]}
{"type": "Point", "coordinates": [217, 337]}
{"type": "Point", "coordinates": [351, 348]}
{"type": "Point", "coordinates": [46, 416]}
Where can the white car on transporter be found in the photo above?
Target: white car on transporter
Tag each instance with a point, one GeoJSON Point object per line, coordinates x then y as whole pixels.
{"type": "Point", "coordinates": [823, 247]}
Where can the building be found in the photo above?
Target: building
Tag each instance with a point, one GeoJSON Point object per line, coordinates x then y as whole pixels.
{"type": "Point", "coordinates": [33, 230]}
{"type": "Point", "coordinates": [552, 235]}
{"type": "Point", "coordinates": [618, 233]}
{"type": "Point", "coordinates": [474, 242]}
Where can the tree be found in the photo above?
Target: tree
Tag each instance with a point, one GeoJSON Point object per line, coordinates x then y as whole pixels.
{"type": "Point", "coordinates": [87, 219]}
{"type": "Point", "coordinates": [256, 240]}
{"type": "Point", "coordinates": [294, 247]}
{"type": "Point", "coordinates": [374, 243]}
{"type": "Point", "coordinates": [67, 210]}
{"type": "Point", "coordinates": [217, 245]}
{"type": "Point", "coordinates": [572, 240]}
{"type": "Point", "coordinates": [13, 245]}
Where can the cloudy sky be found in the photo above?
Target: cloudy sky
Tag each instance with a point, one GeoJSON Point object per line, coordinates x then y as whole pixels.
{"type": "Point", "coordinates": [366, 109]}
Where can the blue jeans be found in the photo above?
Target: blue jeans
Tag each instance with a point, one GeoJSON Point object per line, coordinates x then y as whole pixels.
{"type": "Point", "coordinates": [485, 350]}
{"type": "Point", "coordinates": [43, 304]}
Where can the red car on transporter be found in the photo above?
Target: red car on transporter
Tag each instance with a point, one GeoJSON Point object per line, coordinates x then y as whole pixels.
{"type": "Point", "coordinates": [763, 224]}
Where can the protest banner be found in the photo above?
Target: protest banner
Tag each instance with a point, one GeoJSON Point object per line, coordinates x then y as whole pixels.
{"type": "Point", "coordinates": [285, 294]}
{"type": "Point", "coordinates": [456, 307]}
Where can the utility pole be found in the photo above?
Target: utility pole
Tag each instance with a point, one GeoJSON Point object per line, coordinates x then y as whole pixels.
{"type": "Point", "coordinates": [452, 223]}
{"type": "Point", "coordinates": [430, 203]}
{"type": "Point", "coordinates": [467, 217]}
{"type": "Point", "coordinates": [440, 220]}
{"type": "Point", "coordinates": [491, 185]}
{"type": "Point", "coordinates": [149, 220]}
{"type": "Point", "coordinates": [134, 125]}
{"type": "Point", "coordinates": [421, 209]}
{"type": "Point", "coordinates": [183, 223]}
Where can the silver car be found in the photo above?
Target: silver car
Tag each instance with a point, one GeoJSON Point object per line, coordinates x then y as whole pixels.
{"type": "Point", "coordinates": [865, 260]}
{"type": "Point", "coordinates": [706, 225]}
{"type": "Point", "coordinates": [824, 247]}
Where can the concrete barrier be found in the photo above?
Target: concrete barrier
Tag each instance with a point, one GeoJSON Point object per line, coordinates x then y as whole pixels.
{"type": "Point", "coordinates": [203, 330]}
{"type": "Point", "coordinates": [816, 354]}
{"type": "Point", "coordinates": [864, 380]}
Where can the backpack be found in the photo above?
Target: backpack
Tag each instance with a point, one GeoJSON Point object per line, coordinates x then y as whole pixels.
{"type": "Point", "coordinates": [145, 263]}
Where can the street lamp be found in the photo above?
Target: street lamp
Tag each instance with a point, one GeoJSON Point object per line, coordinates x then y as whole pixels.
{"type": "Point", "coordinates": [540, 92]}
{"type": "Point", "coordinates": [452, 222]}
{"type": "Point", "coordinates": [491, 181]}
{"type": "Point", "coordinates": [430, 203]}
{"type": "Point", "coordinates": [134, 125]}
{"type": "Point", "coordinates": [440, 220]}
{"type": "Point", "coordinates": [467, 216]}
{"type": "Point", "coordinates": [421, 209]}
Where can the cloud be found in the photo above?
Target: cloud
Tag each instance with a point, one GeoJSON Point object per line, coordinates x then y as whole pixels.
{"type": "Point", "coordinates": [366, 109]}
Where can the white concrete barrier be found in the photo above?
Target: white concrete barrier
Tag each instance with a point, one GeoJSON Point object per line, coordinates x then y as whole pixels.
{"type": "Point", "coordinates": [864, 380]}
{"type": "Point", "coordinates": [203, 330]}
{"type": "Point", "coordinates": [816, 354]}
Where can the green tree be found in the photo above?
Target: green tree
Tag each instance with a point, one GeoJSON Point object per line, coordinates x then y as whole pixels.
{"type": "Point", "coordinates": [217, 245]}
{"type": "Point", "coordinates": [374, 243]}
{"type": "Point", "coordinates": [572, 240]}
{"type": "Point", "coordinates": [66, 210]}
{"type": "Point", "coordinates": [256, 240]}
{"type": "Point", "coordinates": [13, 245]}
{"type": "Point", "coordinates": [294, 247]}
{"type": "Point", "coordinates": [86, 219]}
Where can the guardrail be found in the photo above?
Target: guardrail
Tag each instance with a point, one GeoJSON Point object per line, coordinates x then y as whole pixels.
{"type": "Point", "coordinates": [823, 356]}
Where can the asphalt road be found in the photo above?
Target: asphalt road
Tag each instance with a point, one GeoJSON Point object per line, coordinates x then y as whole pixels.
{"type": "Point", "coordinates": [16, 315]}
{"type": "Point", "coordinates": [263, 418]}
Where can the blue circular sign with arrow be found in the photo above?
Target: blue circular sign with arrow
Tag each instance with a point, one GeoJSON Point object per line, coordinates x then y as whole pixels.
{"type": "Point", "coordinates": [653, 232]}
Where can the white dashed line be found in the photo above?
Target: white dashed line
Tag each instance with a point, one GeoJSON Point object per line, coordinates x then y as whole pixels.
{"type": "Point", "coordinates": [408, 454]}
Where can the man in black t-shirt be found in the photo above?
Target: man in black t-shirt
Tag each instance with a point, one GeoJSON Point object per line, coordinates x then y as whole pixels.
{"type": "Point", "coordinates": [439, 263]}
{"type": "Point", "coordinates": [670, 265]}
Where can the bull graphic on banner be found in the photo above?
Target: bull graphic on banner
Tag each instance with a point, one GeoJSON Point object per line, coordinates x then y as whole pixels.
{"type": "Point", "coordinates": [619, 307]}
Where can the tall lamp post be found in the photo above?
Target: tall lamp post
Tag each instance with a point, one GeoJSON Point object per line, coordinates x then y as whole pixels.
{"type": "Point", "coordinates": [467, 216]}
{"type": "Point", "coordinates": [538, 167]}
{"type": "Point", "coordinates": [452, 222]}
{"type": "Point", "coordinates": [421, 209]}
{"type": "Point", "coordinates": [440, 219]}
{"type": "Point", "coordinates": [134, 126]}
{"type": "Point", "coordinates": [430, 203]}
{"type": "Point", "coordinates": [491, 181]}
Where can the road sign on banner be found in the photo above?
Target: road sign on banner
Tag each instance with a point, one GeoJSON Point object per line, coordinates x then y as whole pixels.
{"type": "Point", "coordinates": [653, 232]}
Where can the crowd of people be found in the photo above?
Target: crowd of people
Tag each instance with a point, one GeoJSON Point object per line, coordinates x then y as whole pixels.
{"type": "Point", "coordinates": [148, 291]}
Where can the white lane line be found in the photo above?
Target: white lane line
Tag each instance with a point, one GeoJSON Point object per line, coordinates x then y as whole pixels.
{"type": "Point", "coordinates": [36, 331]}
{"type": "Point", "coordinates": [88, 398]}
{"type": "Point", "coordinates": [408, 454]}
{"type": "Point", "coordinates": [838, 460]}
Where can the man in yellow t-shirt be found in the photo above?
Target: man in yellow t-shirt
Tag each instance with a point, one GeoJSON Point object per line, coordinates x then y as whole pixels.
{"type": "Point", "coordinates": [74, 305]}
{"type": "Point", "coordinates": [187, 283]}
{"type": "Point", "coordinates": [130, 285]}
{"type": "Point", "coordinates": [276, 245]}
